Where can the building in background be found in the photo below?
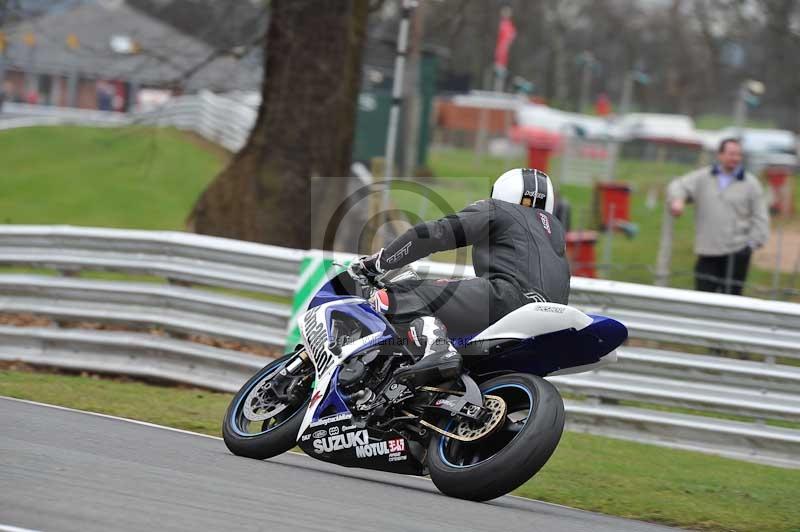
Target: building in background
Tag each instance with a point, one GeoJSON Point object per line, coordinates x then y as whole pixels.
{"type": "Point", "coordinates": [101, 55]}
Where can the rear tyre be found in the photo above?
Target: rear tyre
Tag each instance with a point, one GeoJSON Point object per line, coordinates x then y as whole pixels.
{"type": "Point", "coordinates": [503, 460]}
{"type": "Point", "coordinates": [265, 438]}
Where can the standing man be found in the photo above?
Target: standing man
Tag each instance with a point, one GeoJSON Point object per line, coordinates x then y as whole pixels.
{"type": "Point", "coordinates": [731, 218]}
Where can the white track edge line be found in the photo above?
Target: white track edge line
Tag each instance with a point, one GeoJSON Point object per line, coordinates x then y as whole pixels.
{"type": "Point", "coordinates": [109, 416]}
{"type": "Point", "coordinates": [10, 528]}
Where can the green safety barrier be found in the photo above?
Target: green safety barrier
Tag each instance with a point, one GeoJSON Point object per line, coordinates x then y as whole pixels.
{"type": "Point", "coordinates": [315, 271]}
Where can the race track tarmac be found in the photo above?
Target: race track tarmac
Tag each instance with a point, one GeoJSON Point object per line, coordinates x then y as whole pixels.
{"type": "Point", "coordinates": [64, 470]}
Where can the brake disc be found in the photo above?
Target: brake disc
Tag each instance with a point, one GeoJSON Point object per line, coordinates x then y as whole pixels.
{"type": "Point", "coordinates": [261, 404]}
{"type": "Point", "coordinates": [497, 412]}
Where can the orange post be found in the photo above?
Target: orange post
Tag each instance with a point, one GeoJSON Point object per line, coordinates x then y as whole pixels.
{"type": "Point", "coordinates": [779, 184]}
{"type": "Point", "coordinates": [580, 252]}
{"type": "Point", "coordinates": [614, 194]}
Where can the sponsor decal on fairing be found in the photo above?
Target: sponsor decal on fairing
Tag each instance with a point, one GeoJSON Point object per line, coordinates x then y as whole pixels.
{"type": "Point", "coordinates": [331, 419]}
{"type": "Point", "coordinates": [397, 457]}
{"type": "Point", "coordinates": [315, 334]}
{"type": "Point", "coordinates": [393, 448]}
{"type": "Point", "coordinates": [551, 308]}
{"type": "Point", "coordinates": [341, 442]}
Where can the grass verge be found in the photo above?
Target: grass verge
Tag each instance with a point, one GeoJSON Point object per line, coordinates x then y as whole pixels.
{"type": "Point", "coordinates": [593, 473]}
{"type": "Point", "coordinates": [184, 408]}
{"type": "Point", "coordinates": [137, 178]}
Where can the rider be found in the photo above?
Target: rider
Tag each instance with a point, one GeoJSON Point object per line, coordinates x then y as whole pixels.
{"type": "Point", "coordinates": [518, 254]}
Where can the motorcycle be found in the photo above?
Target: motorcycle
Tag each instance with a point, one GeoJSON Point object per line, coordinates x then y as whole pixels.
{"type": "Point", "coordinates": [478, 437]}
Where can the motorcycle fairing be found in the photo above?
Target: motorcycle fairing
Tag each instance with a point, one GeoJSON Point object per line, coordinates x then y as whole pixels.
{"type": "Point", "coordinates": [343, 442]}
{"type": "Point", "coordinates": [535, 319]}
{"type": "Point", "coordinates": [328, 432]}
{"type": "Point", "coordinates": [315, 328]}
{"type": "Point", "coordinates": [559, 352]}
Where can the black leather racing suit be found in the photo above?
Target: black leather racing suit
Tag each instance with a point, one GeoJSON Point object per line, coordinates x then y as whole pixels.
{"type": "Point", "coordinates": [518, 254]}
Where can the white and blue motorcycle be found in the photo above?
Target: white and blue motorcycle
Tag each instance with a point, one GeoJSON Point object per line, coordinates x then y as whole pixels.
{"type": "Point", "coordinates": [478, 437]}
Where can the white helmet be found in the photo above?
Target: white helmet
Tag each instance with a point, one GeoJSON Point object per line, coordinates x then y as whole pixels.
{"type": "Point", "coordinates": [525, 186]}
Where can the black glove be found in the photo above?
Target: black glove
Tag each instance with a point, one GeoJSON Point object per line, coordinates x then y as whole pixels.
{"type": "Point", "coordinates": [368, 266]}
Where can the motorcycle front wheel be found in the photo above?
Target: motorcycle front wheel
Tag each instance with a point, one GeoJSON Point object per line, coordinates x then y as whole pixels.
{"type": "Point", "coordinates": [504, 459]}
{"type": "Point", "coordinates": [258, 424]}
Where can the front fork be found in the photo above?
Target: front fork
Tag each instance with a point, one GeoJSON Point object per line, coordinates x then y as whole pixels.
{"type": "Point", "coordinates": [297, 362]}
{"type": "Point", "coordinates": [289, 380]}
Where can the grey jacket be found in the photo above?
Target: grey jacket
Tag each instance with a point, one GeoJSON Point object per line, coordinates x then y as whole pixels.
{"type": "Point", "coordinates": [726, 220]}
{"type": "Point", "coordinates": [520, 245]}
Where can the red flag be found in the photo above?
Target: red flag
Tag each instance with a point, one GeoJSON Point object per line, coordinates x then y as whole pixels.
{"type": "Point", "coordinates": [505, 36]}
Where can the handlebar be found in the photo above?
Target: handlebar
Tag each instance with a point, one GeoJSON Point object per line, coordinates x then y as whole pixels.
{"type": "Point", "coordinates": [367, 283]}
{"type": "Point", "coordinates": [364, 282]}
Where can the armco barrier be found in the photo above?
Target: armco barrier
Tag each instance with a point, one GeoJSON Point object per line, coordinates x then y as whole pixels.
{"type": "Point", "coordinates": [224, 120]}
{"type": "Point", "coordinates": [615, 399]}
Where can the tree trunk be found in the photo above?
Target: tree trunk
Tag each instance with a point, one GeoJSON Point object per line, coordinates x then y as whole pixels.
{"type": "Point", "coordinates": [304, 130]}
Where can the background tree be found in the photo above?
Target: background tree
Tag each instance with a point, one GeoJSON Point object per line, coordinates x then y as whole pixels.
{"type": "Point", "coordinates": [222, 24]}
{"type": "Point", "coordinates": [304, 129]}
{"type": "Point", "coordinates": [696, 52]}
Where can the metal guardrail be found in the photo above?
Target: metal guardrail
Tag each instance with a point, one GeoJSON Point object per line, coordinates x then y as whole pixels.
{"type": "Point", "coordinates": [762, 390]}
{"type": "Point", "coordinates": [172, 309]}
{"type": "Point", "coordinates": [16, 115]}
{"type": "Point", "coordinates": [710, 369]}
{"type": "Point", "coordinates": [172, 255]}
{"type": "Point", "coordinates": [126, 353]}
{"type": "Point", "coordinates": [224, 120]}
{"type": "Point", "coordinates": [684, 393]}
{"type": "Point", "coordinates": [744, 441]}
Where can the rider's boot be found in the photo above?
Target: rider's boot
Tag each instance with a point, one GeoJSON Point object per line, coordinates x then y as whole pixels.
{"type": "Point", "coordinates": [440, 361]}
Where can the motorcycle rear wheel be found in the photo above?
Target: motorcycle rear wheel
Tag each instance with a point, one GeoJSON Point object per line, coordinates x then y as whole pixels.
{"type": "Point", "coordinates": [504, 460]}
{"type": "Point", "coordinates": [273, 436]}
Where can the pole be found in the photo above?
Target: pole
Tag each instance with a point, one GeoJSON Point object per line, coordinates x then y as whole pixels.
{"type": "Point", "coordinates": [506, 130]}
{"type": "Point", "coordinates": [72, 89]}
{"type": "Point", "coordinates": [411, 92]}
{"type": "Point", "coordinates": [665, 248]}
{"type": "Point", "coordinates": [627, 94]}
{"type": "Point", "coordinates": [586, 80]}
{"type": "Point", "coordinates": [397, 101]}
{"type": "Point", "coordinates": [740, 111]}
{"type": "Point", "coordinates": [133, 96]}
{"type": "Point", "coordinates": [566, 154]}
{"type": "Point", "coordinates": [31, 79]}
{"type": "Point", "coordinates": [608, 241]}
{"type": "Point", "coordinates": [612, 149]}
{"type": "Point", "coordinates": [481, 134]}
{"type": "Point", "coordinates": [562, 84]}
{"type": "Point", "coordinates": [795, 270]}
{"type": "Point", "coordinates": [499, 79]}
{"type": "Point", "coordinates": [776, 275]}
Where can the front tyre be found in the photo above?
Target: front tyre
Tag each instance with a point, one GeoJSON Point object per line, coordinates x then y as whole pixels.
{"type": "Point", "coordinates": [258, 424]}
{"type": "Point", "coordinates": [503, 460]}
